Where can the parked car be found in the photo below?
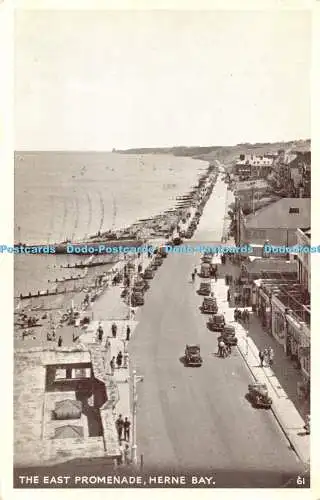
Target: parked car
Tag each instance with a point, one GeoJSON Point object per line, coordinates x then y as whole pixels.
{"type": "Point", "coordinates": [177, 240]}
{"type": "Point", "coordinates": [148, 274]}
{"type": "Point", "coordinates": [192, 355]}
{"type": "Point", "coordinates": [137, 299]}
{"type": "Point", "coordinates": [204, 270]}
{"type": "Point", "coordinates": [258, 395]}
{"type": "Point", "coordinates": [229, 330]}
{"type": "Point", "coordinates": [162, 252]}
{"type": "Point", "coordinates": [207, 258]}
{"type": "Point", "coordinates": [216, 323]}
{"type": "Point", "coordinates": [209, 306]}
{"type": "Point", "coordinates": [205, 288]}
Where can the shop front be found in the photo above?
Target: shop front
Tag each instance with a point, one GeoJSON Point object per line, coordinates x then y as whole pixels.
{"type": "Point", "coordinates": [279, 323]}
{"type": "Point", "coordinates": [264, 309]}
{"type": "Point", "coordinates": [293, 339]}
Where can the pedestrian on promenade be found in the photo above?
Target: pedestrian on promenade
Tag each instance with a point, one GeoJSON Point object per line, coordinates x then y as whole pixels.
{"type": "Point", "coordinates": [113, 365]}
{"type": "Point", "coordinates": [195, 271]}
{"type": "Point", "coordinates": [100, 332]}
{"type": "Point", "coordinates": [266, 356]}
{"type": "Point", "coordinates": [215, 277]}
{"type": "Point", "coordinates": [221, 347]}
{"type": "Point", "coordinates": [228, 295]}
{"type": "Point", "coordinates": [126, 426]}
{"type": "Point", "coordinates": [261, 356]}
{"type": "Point", "coordinates": [114, 330]}
{"type": "Point", "coordinates": [192, 277]}
{"type": "Point", "coordinates": [128, 332]}
{"type": "Point", "coordinates": [60, 341]}
{"type": "Point", "coordinates": [270, 356]}
{"type": "Point", "coordinates": [119, 426]}
{"type": "Point", "coordinates": [126, 454]}
{"type": "Point", "coordinates": [119, 359]}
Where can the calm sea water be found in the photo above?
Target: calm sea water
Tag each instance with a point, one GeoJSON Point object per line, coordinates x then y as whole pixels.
{"type": "Point", "coordinates": [61, 195]}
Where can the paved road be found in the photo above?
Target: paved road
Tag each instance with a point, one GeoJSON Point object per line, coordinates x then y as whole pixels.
{"type": "Point", "coordinates": [198, 418]}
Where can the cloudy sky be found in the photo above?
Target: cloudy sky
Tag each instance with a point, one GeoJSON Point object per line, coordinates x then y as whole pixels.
{"type": "Point", "coordinates": [90, 80]}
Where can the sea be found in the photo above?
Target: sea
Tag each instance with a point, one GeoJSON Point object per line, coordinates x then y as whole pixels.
{"type": "Point", "coordinates": [72, 195]}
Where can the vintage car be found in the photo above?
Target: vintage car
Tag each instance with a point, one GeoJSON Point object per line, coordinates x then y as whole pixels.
{"type": "Point", "coordinates": [229, 330]}
{"type": "Point", "coordinates": [137, 299]}
{"type": "Point", "coordinates": [216, 323]}
{"type": "Point", "coordinates": [228, 339]}
{"type": "Point", "coordinates": [158, 260]}
{"type": "Point", "coordinates": [177, 240]}
{"type": "Point", "coordinates": [209, 306]}
{"type": "Point", "coordinates": [205, 288]}
{"type": "Point", "coordinates": [258, 395]}
{"type": "Point", "coordinates": [205, 271]}
{"type": "Point", "coordinates": [162, 252]}
{"type": "Point", "coordinates": [148, 274]}
{"type": "Point", "coordinates": [207, 258]}
{"type": "Point", "coordinates": [140, 286]}
{"type": "Point", "coordinates": [192, 355]}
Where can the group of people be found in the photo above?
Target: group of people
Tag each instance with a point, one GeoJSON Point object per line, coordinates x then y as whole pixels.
{"type": "Point", "coordinates": [266, 356]}
{"type": "Point", "coordinates": [241, 315]}
{"type": "Point", "coordinates": [116, 361]}
{"type": "Point", "coordinates": [123, 428]}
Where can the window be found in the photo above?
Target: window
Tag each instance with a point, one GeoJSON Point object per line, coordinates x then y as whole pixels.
{"type": "Point", "coordinates": [294, 210]}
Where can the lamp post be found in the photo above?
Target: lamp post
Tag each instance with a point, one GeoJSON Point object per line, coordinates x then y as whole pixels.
{"type": "Point", "coordinates": [247, 343]}
{"type": "Point", "coordinates": [135, 379]}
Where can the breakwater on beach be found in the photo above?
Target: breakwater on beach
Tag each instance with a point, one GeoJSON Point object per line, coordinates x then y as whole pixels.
{"type": "Point", "coordinates": [61, 219]}
{"type": "Point", "coordinates": [132, 272]}
{"type": "Point", "coordinates": [62, 196]}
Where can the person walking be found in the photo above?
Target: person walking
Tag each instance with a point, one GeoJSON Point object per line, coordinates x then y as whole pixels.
{"type": "Point", "coordinates": [126, 426]}
{"type": "Point", "coordinates": [126, 454]}
{"type": "Point", "coordinates": [128, 332]}
{"type": "Point", "coordinates": [266, 356]}
{"type": "Point", "coordinates": [60, 341]}
{"type": "Point", "coordinates": [228, 295]}
{"type": "Point", "coordinates": [270, 356]}
{"type": "Point", "coordinates": [100, 332]}
{"type": "Point", "coordinates": [192, 277]}
{"type": "Point", "coordinates": [261, 356]}
{"type": "Point", "coordinates": [119, 426]}
{"type": "Point", "coordinates": [114, 330]}
{"type": "Point", "coordinates": [119, 359]}
{"type": "Point", "coordinates": [113, 365]}
{"type": "Point", "coordinates": [221, 347]}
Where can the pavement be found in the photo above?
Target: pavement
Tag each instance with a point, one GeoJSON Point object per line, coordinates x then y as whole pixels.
{"type": "Point", "coordinates": [198, 418]}
{"type": "Point", "coordinates": [283, 408]}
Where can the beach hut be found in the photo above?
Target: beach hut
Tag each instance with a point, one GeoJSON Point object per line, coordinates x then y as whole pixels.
{"type": "Point", "coordinates": [68, 409]}
{"type": "Point", "coordinates": [68, 432]}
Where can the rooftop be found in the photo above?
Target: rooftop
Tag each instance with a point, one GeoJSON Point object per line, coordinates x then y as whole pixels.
{"type": "Point", "coordinates": [288, 213]}
{"type": "Point", "coordinates": [306, 231]}
{"type": "Point", "coordinates": [45, 378]}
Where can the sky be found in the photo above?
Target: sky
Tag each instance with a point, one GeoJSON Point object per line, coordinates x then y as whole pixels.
{"type": "Point", "coordinates": [97, 80]}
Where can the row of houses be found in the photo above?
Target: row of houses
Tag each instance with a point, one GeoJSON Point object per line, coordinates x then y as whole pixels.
{"type": "Point", "coordinates": [288, 173]}
{"type": "Point", "coordinates": [277, 286]}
